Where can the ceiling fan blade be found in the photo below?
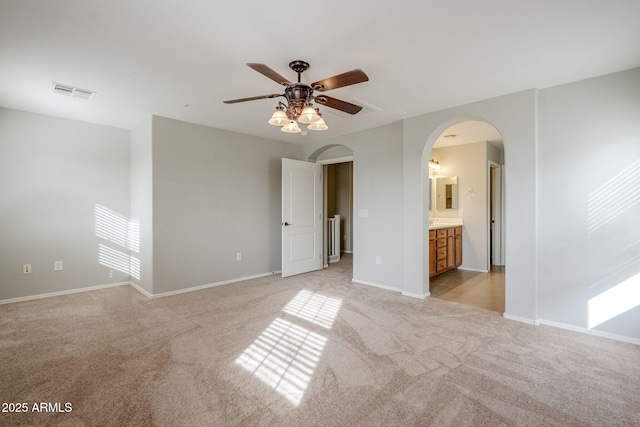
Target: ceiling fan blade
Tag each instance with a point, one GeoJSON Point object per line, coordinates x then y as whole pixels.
{"type": "Point", "coordinates": [341, 80]}
{"type": "Point", "coordinates": [345, 106]}
{"type": "Point", "coordinates": [253, 98]}
{"type": "Point", "coordinates": [268, 72]}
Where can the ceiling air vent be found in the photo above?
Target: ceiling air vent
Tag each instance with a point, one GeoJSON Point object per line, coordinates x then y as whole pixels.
{"type": "Point", "coordinates": [73, 92]}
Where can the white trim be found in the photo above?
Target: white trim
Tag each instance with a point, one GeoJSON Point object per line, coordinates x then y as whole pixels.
{"type": "Point", "coordinates": [60, 293]}
{"type": "Point", "coordinates": [347, 252]}
{"type": "Point", "coordinates": [495, 169]}
{"type": "Point", "coordinates": [141, 290]}
{"type": "Point", "coordinates": [419, 296]}
{"type": "Point", "coordinates": [213, 285]}
{"type": "Point", "coordinates": [375, 285]}
{"type": "Point", "coordinates": [521, 319]}
{"type": "Point", "coordinates": [335, 160]}
{"type": "Point", "coordinates": [472, 269]}
{"type": "Point", "coordinates": [590, 331]}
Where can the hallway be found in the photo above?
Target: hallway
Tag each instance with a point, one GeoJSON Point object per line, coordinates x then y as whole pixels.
{"type": "Point", "coordinates": [484, 290]}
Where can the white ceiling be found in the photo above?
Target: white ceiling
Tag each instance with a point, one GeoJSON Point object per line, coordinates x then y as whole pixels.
{"type": "Point", "coordinates": [468, 132]}
{"type": "Point", "coordinates": [158, 56]}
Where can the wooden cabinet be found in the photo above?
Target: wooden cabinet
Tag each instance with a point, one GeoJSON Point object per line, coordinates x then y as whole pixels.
{"type": "Point", "coordinates": [445, 249]}
{"type": "Point", "coordinates": [458, 244]}
{"type": "Point", "coordinates": [432, 253]}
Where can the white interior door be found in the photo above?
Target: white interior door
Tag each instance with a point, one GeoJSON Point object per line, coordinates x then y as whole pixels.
{"type": "Point", "coordinates": [301, 217]}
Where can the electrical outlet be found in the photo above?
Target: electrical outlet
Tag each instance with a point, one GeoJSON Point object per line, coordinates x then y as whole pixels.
{"type": "Point", "coordinates": [378, 260]}
{"type": "Point", "coordinates": [26, 268]}
{"type": "Point", "coordinates": [239, 256]}
{"type": "Point", "coordinates": [57, 265]}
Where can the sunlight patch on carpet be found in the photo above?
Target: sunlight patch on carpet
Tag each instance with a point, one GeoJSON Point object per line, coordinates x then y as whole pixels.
{"type": "Point", "coordinates": [314, 308]}
{"type": "Point", "coordinates": [284, 357]}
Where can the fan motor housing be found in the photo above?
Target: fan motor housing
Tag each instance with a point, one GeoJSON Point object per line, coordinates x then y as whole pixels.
{"type": "Point", "coordinates": [298, 95]}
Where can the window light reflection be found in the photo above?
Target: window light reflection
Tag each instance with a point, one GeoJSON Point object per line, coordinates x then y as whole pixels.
{"type": "Point", "coordinates": [284, 357]}
{"type": "Point", "coordinates": [314, 308]}
{"type": "Point", "coordinates": [117, 260]}
{"type": "Point", "coordinates": [611, 303]}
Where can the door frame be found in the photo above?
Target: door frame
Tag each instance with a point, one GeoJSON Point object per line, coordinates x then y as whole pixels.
{"type": "Point", "coordinates": [324, 163]}
{"type": "Point", "coordinates": [495, 245]}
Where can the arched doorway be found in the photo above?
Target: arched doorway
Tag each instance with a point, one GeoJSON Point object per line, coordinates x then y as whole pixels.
{"type": "Point", "coordinates": [462, 196]}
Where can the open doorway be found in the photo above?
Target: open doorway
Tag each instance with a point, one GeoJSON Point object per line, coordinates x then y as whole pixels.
{"type": "Point", "coordinates": [463, 200]}
{"type": "Point", "coordinates": [338, 164]}
{"type": "Point", "coordinates": [338, 182]}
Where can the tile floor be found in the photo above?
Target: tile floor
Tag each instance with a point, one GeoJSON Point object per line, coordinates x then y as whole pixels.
{"type": "Point", "coordinates": [484, 290]}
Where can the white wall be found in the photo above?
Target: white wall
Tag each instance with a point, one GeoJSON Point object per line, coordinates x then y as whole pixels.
{"type": "Point", "coordinates": [590, 204]}
{"type": "Point", "coordinates": [54, 175]}
{"type": "Point", "coordinates": [215, 193]}
{"type": "Point", "coordinates": [141, 193]}
{"type": "Point", "coordinates": [377, 176]}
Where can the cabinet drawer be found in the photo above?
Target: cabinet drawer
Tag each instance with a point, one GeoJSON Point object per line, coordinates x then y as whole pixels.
{"type": "Point", "coordinates": [441, 253]}
{"type": "Point", "coordinates": [432, 234]}
{"type": "Point", "coordinates": [441, 266]}
{"type": "Point", "coordinates": [451, 232]}
{"type": "Point", "coordinates": [441, 243]}
{"type": "Point", "coordinates": [442, 232]}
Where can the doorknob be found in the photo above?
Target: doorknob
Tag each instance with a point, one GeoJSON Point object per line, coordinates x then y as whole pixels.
{"type": "Point", "coordinates": [286, 224]}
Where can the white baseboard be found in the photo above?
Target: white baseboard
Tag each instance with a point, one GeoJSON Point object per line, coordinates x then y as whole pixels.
{"type": "Point", "coordinates": [140, 289]}
{"type": "Point", "coordinates": [573, 328]}
{"type": "Point", "coordinates": [59, 293]}
{"type": "Point", "coordinates": [521, 319]}
{"type": "Point", "coordinates": [210, 285]}
{"type": "Point", "coordinates": [472, 269]}
{"type": "Point", "coordinates": [137, 288]}
{"type": "Point", "coordinates": [375, 285]}
{"type": "Point", "coordinates": [590, 332]}
{"type": "Point", "coordinates": [389, 288]}
{"type": "Point", "coordinates": [419, 296]}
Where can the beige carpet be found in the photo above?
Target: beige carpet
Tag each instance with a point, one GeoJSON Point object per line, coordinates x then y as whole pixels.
{"type": "Point", "coordinates": [312, 350]}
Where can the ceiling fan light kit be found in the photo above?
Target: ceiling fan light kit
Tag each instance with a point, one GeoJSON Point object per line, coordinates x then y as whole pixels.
{"type": "Point", "coordinates": [291, 127]}
{"type": "Point", "coordinates": [279, 117]}
{"type": "Point", "coordinates": [300, 96]}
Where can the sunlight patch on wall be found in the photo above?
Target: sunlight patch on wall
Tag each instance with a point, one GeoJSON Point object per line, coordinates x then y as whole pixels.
{"type": "Point", "coordinates": [314, 308]}
{"type": "Point", "coordinates": [284, 357]}
{"type": "Point", "coordinates": [121, 231]}
{"type": "Point", "coordinates": [117, 260]}
{"type": "Point", "coordinates": [614, 197]}
{"type": "Point", "coordinates": [116, 228]}
{"type": "Point", "coordinates": [621, 298]}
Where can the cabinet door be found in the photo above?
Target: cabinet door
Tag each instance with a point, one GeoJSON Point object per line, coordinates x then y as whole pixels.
{"type": "Point", "coordinates": [458, 251]}
{"type": "Point", "coordinates": [432, 258]}
{"type": "Point", "coordinates": [451, 252]}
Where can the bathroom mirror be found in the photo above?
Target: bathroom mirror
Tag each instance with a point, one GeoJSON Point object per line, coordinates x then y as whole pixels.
{"type": "Point", "coordinates": [447, 193]}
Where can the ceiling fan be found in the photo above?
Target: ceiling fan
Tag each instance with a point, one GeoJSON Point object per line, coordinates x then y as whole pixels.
{"type": "Point", "coordinates": [300, 97]}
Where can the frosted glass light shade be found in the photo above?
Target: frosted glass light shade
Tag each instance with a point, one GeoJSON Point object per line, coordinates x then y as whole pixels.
{"type": "Point", "coordinates": [318, 124]}
{"type": "Point", "coordinates": [308, 115]}
{"type": "Point", "coordinates": [279, 118]}
{"type": "Point", "coordinates": [292, 127]}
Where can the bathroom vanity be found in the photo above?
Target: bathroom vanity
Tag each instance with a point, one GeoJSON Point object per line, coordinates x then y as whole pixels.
{"type": "Point", "coordinates": [445, 248]}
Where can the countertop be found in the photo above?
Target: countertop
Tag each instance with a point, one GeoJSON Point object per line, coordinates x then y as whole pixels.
{"type": "Point", "coordinates": [438, 225]}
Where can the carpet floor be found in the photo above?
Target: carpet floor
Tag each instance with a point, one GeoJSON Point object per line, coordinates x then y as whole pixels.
{"type": "Point", "coordinates": [309, 350]}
